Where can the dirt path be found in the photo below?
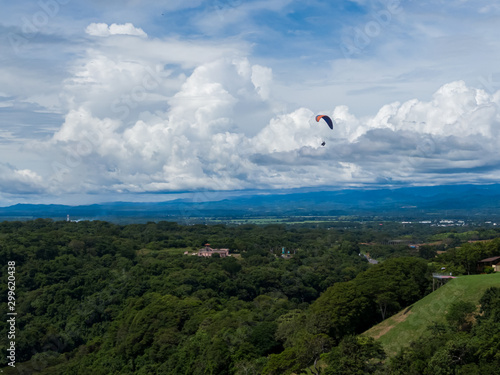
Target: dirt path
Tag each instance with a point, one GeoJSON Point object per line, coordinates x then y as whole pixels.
{"type": "Point", "coordinates": [389, 324]}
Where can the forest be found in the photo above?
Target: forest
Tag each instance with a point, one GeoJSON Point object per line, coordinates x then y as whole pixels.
{"type": "Point", "coordinates": [101, 298]}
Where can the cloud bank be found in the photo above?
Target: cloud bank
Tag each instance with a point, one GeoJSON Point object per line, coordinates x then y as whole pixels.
{"type": "Point", "coordinates": [138, 123]}
{"type": "Point", "coordinates": [130, 111]}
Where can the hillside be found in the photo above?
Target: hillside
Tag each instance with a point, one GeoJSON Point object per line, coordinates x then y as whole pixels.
{"type": "Point", "coordinates": [465, 202]}
{"type": "Point", "coordinates": [409, 324]}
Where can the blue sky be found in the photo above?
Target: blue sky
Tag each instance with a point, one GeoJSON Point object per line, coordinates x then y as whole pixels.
{"type": "Point", "coordinates": [131, 100]}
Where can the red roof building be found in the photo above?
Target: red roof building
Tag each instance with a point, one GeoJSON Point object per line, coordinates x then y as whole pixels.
{"type": "Point", "coordinates": [207, 251]}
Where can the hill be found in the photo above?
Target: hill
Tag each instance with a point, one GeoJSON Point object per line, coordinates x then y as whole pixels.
{"type": "Point", "coordinates": [425, 202]}
{"type": "Point", "coordinates": [411, 323]}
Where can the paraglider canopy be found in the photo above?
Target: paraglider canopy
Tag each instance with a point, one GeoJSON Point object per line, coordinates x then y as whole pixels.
{"type": "Point", "coordinates": [327, 119]}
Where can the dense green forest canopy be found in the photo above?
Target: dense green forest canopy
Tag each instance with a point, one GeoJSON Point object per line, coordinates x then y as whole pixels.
{"type": "Point", "coordinates": [95, 297]}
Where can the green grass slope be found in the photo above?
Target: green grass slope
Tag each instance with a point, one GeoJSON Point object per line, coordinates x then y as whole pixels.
{"type": "Point", "coordinates": [409, 324]}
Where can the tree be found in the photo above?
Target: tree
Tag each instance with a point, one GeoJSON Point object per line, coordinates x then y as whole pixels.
{"type": "Point", "coordinates": [457, 352]}
{"type": "Point", "coordinates": [459, 315]}
{"type": "Point", "coordinates": [427, 251]}
{"type": "Point", "coordinates": [342, 309]}
{"type": "Point", "coordinates": [355, 355]}
{"type": "Point", "coordinates": [490, 304]}
{"type": "Point", "coordinates": [307, 353]}
{"type": "Point", "coordinates": [385, 301]}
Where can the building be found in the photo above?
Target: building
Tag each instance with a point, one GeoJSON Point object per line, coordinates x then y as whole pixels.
{"type": "Point", "coordinates": [439, 279]}
{"type": "Point", "coordinates": [493, 262]}
{"type": "Point", "coordinates": [398, 242]}
{"type": "Point", "coordinates": [207, 251]}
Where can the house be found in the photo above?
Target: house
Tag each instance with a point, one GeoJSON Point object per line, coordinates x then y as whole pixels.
{"type": "Point", "coordinates": [207, 251]}
{"type": "Point", "coordinates": [493, 262]}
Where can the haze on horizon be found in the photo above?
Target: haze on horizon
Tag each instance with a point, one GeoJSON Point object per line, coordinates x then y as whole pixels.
{"type": "Point", "coordinates": [138, 100]}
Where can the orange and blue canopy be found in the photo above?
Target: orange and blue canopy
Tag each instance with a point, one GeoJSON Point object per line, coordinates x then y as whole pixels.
{"type": "Point", "coordinates": [327, 119]}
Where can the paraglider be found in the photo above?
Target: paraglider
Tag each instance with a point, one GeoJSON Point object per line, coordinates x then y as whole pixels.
{"type": "Point", "coordinates": [327, 119]}
{"type": "Point", "coordinates": [329, 122]}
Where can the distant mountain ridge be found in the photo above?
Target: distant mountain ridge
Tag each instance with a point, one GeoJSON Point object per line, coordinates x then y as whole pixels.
{"type": "Point", "coordinates": [451, 200]}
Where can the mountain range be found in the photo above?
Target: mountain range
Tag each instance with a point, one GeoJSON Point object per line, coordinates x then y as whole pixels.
{"type": "Point", "coordinates": [452, 201]}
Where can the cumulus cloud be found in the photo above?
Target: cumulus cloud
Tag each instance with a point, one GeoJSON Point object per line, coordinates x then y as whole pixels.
{"type": "Point", "coordinates": [288, 132]}
{"type": "Point", "coordinates": [196, 142]}
{"type": "Point", "coordinates": [456, 132]}
{"type": "Point", "coordinates": [143, 113]}
{"type": "Point", "coordinates": [103, 30]}
{"type": "Point", "coordinates": [139, 119]}
{"type": "Point", "coordinates": [19, 181]}
{"type": "Point", "coordinates": [197, 139]}
{"type": "Point", "coordinates": [261, 78]}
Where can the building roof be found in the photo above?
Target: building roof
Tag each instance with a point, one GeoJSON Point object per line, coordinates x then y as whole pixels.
{"type": "Point", "coordinates": [444, 277]}
{"type": "Point", "coordinates": [209, 249]}
{"type": "Point", "coordinates": [492, 259]}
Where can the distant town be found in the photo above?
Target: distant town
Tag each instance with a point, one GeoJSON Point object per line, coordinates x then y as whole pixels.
{"type": "Point", "coordinates": [449, 223]}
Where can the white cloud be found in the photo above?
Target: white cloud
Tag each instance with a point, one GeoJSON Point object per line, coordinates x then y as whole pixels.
{"type": "Point", "coordinates": [455, 110]}
{"type": "Point", "coordinates": [151, 113]}
{"type": "Point", "coordinates": [6, 104]}
{"type": "Point", "coordinates": [103, 30]}
{"type": "Point", "coordinates": [185, 144]}
{"type": "Point", "coordinates": [262, 78]}
{"type": "Point", "coordinates": [197, 139]}
{"type": "Point", "coordinates": [289, 132]}
{"type": "Point", "coordinates": [19, 181]}
{"type": "Point", "coordinates": [236, 14]}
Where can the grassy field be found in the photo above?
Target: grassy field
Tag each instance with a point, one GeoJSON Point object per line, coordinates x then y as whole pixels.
{"type": "Point", "coordinates": [409, 324]}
